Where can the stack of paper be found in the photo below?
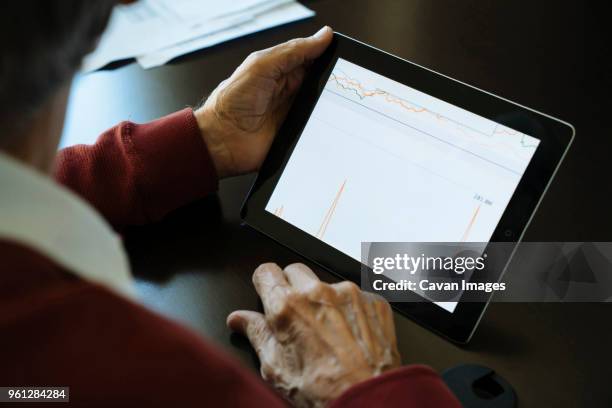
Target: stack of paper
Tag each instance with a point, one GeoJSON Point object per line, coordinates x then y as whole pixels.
{"type": "Point", "coordinates": [156, 31]}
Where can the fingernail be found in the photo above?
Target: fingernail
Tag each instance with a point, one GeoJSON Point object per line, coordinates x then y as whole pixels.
{"type": "Point", "coordinates": [321, 32]}
{"type": "Point", "coordinates": [234, 321]}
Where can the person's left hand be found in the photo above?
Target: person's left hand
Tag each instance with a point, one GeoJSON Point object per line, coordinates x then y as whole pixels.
{"type": "Point", "coordinates": [242, 115]}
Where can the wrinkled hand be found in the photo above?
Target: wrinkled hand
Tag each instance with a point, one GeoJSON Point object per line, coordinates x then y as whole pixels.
{"type": "Point", "coordinates": [315, 340]}
{"type": "Point", "coordinates": [240, 118]}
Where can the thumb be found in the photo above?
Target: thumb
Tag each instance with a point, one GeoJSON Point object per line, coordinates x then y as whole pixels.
{"type": "Point", "coordinates": [312, 47]}
{"type": "Point", "coordinates": [286, 57]}
{"type": "Point", "coordinates": [253, 325]}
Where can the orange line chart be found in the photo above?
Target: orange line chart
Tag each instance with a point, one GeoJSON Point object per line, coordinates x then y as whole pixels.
{"type": "Point", "coordinates": [505, 131]}
{"type": "Point", "coordinates": [471, 224]}
{"type": "Point", "coordinates": [355, 86]}
{"type": "Point", "coordinates": [352, 85]}
{"type": "Point", "coordinates": [279, 211]}
{"type": "Point", "coordinates": [330, 212]}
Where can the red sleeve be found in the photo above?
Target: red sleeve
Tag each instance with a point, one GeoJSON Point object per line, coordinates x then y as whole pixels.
{"type": "Point", "coordinates": [136, 174]}
{"type": "Point", "coordinates": [59, 330]}
{"type": "Point", "coordinates": [407, 387]}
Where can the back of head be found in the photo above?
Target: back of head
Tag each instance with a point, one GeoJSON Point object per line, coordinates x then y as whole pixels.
{"type": "Point", "coordinates": [43, 43]}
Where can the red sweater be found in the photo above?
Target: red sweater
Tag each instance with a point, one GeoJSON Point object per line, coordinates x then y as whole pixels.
{"type": "Point", "coordinates": [59, 330]}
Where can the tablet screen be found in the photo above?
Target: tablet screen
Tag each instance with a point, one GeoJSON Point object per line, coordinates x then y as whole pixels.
{"type": "Point", "coordinates": [381, 161]}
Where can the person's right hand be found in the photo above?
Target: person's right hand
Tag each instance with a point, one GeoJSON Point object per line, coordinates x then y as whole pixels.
{"type": "Point", "coordinates": [314, 339]}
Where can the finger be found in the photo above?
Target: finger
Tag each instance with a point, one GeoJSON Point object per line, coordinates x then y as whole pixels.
{"type": "Point", "coordinates": [286, 57]}
{"type": "Point", "coordinates": [380, 317]}
{"type": "Point", "coordinates": [252, 325]}
{"type": "Point", "coordinates": [377, 324]}
{"type": "Point", "coordinates": [374, 298]}
{"type": "Point", "coordinates": [385, 317]}
{"type": "Point", "coordinates": [354, 302]}
{"type": "Point", "coordinates": [271, 286]}
{"type": "Point", "coordinates": [300, 276]}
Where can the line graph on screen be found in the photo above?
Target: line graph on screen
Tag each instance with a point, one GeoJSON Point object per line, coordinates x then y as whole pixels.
{"type": "Point", "coordinates": [498, 137]}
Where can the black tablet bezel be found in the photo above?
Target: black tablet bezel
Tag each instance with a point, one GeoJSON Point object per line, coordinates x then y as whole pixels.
{"type": "Point", "coordinates": [555, 137]}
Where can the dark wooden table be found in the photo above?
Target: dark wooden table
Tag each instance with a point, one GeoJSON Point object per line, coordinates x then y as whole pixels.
{"type": "Point", "coordinates": [196, 265]}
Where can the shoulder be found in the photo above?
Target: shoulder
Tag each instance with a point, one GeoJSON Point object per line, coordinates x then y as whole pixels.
{"type": "Point", "coordinates": [60, 330]}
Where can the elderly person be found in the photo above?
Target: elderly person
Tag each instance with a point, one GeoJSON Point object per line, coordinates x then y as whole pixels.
{"type": "Point", "coordinates": [67, 313]}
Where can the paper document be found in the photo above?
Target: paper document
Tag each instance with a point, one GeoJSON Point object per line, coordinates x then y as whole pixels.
{"type": "Point", "coordinates": [281, 15]}
{"type": "Point", "coordinates": [158, 28]}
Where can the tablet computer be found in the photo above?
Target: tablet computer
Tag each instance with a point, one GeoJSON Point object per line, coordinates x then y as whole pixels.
{"type": "Point", "coordinates": [379, 149]}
